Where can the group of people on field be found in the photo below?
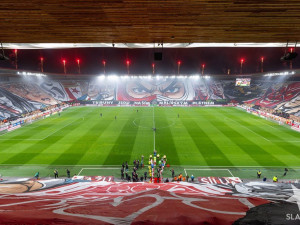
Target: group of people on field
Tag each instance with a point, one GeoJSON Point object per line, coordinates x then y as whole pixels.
{"type": "Point", "coordinates": [275, 178]}
{"type": "Point", "coordinates": [55, 172]}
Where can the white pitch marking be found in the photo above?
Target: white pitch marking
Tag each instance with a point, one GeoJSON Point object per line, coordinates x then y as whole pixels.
{"type": "Point", "coordinates": [153, 129]}
{"type": "Point", "coordinates": [249, 129]}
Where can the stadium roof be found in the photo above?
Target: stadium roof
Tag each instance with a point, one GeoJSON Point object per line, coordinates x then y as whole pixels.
{"type": "Point", "coordinates": [193, 23]}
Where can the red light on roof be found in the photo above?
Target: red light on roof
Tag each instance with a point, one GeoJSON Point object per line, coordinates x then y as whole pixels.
{"type": "Point", "coordinates": [179, 62]}
{"type": "Point", "coordinates": [203, 65]}
{"type": "Point", "coordinates": [262, 59]}
{"type": "Point", "coordinates": [291, 49]}
{"type": "Point", "coordinates": [78, 61]}
{"type": "Point", "coordinates": [153, 64]}
{"type": "Point", "coordinates": [16, 50]}
{"type": "Point", "coordinates": [242, 60]}
{"type": "Point", "coordinates": [127, 62]}
{"type": "Point", "coordinates": [64, 61]}
{"type": "Point", "coordinates": [42, 59]}
{"type": "Point", "coordinates": [103, 62]}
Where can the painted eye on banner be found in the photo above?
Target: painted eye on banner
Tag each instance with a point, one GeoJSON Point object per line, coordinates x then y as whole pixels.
{"type": "Point", "coordinates": [139, 90]}
{"type": "Point", "coordinates": [172, 90]}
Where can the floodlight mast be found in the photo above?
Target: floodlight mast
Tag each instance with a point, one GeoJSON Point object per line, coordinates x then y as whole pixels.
{"type": "Point", "coordinates": [42, 64]}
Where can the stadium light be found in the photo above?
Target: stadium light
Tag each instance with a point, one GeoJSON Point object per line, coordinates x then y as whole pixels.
{"type": "Point", "coordinates": [286, 73]}
{"type": "Point", "coordinates": [31, 74]}
{"type": "Point", "coordinates": [262, 64]}
{"type": "Point", "coordinates": [42, 64]}
{"type": "Point", "coordinates": [16, 55]}
{"type": "Point", "coordinates": [127, 65]}
{"type": "Point", "coordinates": [64, 63]}
{"type": "Point", "coordinates": [104, 65]}
{"type": "Point", "coordinates": [153, 68]}
{"type": "Point", "coordinates": [101, 77]}
{"type": "Point", "coordinates": [202, 68]}
{"type": "Point", "coordinates": [78, 64]}
{"type": "Point", "coordinates": [113, 77]}
{"type": "Point", "coordinates": [178, 66]}
{"type": "Point", "coordinates": [242, 62]}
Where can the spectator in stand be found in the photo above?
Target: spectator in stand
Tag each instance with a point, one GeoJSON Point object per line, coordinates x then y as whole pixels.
{"type": "Point", "coordinates": [68, 173]}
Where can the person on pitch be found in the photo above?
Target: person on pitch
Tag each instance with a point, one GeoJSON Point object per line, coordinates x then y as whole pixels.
{"type": "Point", "coordinates": [37, 175]}
{"type": "Point", "coordinates": [55, 173]}
{"type": "Point", "coordinates": [192, 178]}
{"type": "Point", "coordinates": [258, 174]}
{"type": "Point", "coordinates": [142, 161]}
{"type": "Point", "coordinates": [285, 171]}
{"type": "Point", "coordinates": [173, 173]}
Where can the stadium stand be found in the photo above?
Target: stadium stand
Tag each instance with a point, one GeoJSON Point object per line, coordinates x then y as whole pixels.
{"type": "Point", "coordinates": [22, 96]}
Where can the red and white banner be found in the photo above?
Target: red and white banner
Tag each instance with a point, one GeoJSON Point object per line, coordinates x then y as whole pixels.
{"type": "Point", "coordinates": [102, 202]}
{"type": "Point", "coordinates": [220, 180]}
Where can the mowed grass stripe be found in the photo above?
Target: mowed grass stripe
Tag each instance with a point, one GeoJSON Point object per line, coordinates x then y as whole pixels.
{"type": "Point", "coordinates": [17, 146]}
{"type": "Point", "coordinates": [91, 129]}
{"type": "Point", "coordinates": [224, 136]}
{"type": "Point", "coordinates": [278, 134]}
{"type": "Point", "coordinates": [143, 144]}
{"type": "Point", "coordinates": [27, 132]}
{"type": "Point", "coordinates": [241, 139]}
{"type": "Point", "coordinates": [210, 151]}
{"type": "Point", "coordinates": [164, 142]}
{"type": "Point", "coordinates": [37, 148]}
{"type": "Point", "coordinates": [54, 151]}
{"type": "Point", "coordinates": [254, 127]}
{"type": "Point", "coordinates": [281, 130]}
{"type": "Point", "coordinates": [122, 149]}
{"type": "Point", "coordinates": [186, 149]}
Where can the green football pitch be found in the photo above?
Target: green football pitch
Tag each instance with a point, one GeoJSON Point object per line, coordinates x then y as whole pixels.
{"type": "Point", "coordinates": [206, 141]}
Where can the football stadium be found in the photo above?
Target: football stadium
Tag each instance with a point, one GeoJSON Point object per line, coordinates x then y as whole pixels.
{"type": "Point", "coordinates": [149, 112]}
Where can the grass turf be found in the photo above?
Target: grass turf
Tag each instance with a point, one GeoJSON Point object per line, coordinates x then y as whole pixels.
{"type": "Point", "coordinates": [202, 137]}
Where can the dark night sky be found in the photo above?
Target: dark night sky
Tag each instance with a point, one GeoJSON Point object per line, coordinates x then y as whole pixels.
{"type": "Point", "coordinates": [216, 60]}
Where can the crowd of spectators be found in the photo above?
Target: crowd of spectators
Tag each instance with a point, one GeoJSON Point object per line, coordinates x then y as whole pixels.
{"type": "Point", "coordinates": [281, 114]}
{"type": "Point", "coordinates": [31, 114]}
{"type": "Point", "coordinates": [288, 117]}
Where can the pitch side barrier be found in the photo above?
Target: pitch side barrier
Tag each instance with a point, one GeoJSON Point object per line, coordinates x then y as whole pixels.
{"type": "Point", "coordinates": [195, 103]}
{"type": "Point", "coordinates": [280, 120]}
{"type": "Point", "coordinates": [18, 123]}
